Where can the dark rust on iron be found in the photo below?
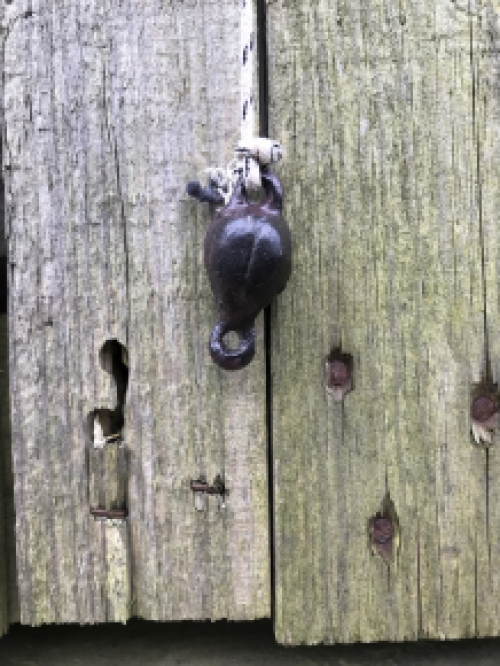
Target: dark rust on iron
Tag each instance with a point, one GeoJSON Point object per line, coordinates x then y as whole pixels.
{"type": "Point", "coordinates": [201, 486]}
{"type": "Point", "coordinates": [111, 514]}
{"type": "Point", "coordinates": [381, 534]}
{"type": "Point", "coordinates": [339, 374]}
{"type": "Point", "coordinates": [382, 530]}
{"type": "Point", "coordinates": [484, 412]}
{"type": "Point", "coordinates": [483, 408]}
{"type": "Point", "coordinates": [204, 194]}
{"type": "Point", "coordinates": [248, 250]}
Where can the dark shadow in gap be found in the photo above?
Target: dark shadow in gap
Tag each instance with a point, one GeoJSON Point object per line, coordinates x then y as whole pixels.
{"type": "Point", "coordinates": [219, 644]}
{"type": "Point", "coordinates": [6, 473]}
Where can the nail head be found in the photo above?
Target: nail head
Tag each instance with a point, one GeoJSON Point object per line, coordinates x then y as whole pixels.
{"type": "Point", "coordinates": [483, 408]}
{"type": "Point", "coordinates": [382, 530]}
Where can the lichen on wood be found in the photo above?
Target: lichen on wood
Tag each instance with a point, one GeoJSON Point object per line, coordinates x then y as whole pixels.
{"type": "Point", "coordinates": [110, 108]}
{"type": "Point", "coordinates": [388, 116]}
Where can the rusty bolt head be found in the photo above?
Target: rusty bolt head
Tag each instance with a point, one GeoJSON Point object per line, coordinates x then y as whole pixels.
{"type": "Point", "coordinates": [338, 375]}
{"type": "Point", "coordinates": [381, 530]}
{"type": "Point", "coordinates": [483, 408]}
{"type": "Point", "coordinates": [484, 414]}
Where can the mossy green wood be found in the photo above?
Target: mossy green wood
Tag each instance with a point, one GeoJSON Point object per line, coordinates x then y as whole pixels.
{"type": "Point", "coordinates": [109, 109]}
{"type": "Point", "coordinates": [389, 118]}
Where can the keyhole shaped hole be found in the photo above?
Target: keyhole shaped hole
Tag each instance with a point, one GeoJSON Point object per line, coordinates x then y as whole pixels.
{"type": "Point", "coordinates": [106, 425]}
{"type": "Point", "coordinates": [114, 360]}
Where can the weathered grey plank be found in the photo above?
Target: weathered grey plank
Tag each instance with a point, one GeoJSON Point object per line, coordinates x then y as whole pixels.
{"type": "Point", "coordinates": [67, 295]}
{"type": "Point", "coordinates": [374, 103]}
{"type": "Point", "coordinates": [485, 49]}
{"type": "Point", "coordinates": [186, 417]}
{"type": "Point", "coordinates": [110, 109]}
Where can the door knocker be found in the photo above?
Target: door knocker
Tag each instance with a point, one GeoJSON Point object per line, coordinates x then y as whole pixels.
{"type": "Point", "coordinates": [248, 261]}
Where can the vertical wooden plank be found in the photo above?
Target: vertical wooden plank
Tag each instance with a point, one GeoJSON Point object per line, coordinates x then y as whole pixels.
{"type": "Point", "coordinates": [110, 109]}
{"type": "Point", "coordinates": [185, 416]}
{"type": "Point", "coordinates": [67, 294]}
{"type": "Point", "coordinates": [115, 591]}
{"type": "Point", "coordinates": [373, 102]}
{"type": "Point", "coordinates": [485, 50]}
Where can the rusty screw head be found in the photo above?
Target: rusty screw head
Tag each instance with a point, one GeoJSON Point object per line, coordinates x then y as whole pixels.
{"type": "Point", "coordinates": [483, 408]}
{"type": "Point", "coordinates": [484, 414]}
{"type": "Point", "coordinates": [382, 531]}
{"type": "Point", "coordinates": [339, 375]}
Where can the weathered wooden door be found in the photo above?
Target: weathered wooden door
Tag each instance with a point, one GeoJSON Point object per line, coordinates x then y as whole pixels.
{"type": "Point", "coordinates": [110, 108]}
{"type": "Point", "coordinates": [389, 116]}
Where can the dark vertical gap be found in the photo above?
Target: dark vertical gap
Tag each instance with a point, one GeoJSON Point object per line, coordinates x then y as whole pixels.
{"type": "Point", "coordinates": [476, 592]}
{"type": "Point", "coordinates": [488, 373]}
{"type": "Point", "coordinates": [487, 508]}
{"type": "Point", "coordinates": [263, 68]}
{"type": "Point", "coordinates": [264, 131]}
{"type": "Point", "coordinates": [6, 472]}
{"type": "Point", "coordinates": [4, 578]}
{"type": "Point", "coordinates": [420, 633]}
{"type": "Point", "coordinates": [3, 242]}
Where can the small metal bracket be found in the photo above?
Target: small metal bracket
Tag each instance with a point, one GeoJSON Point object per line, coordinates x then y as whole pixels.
{"type": "Point", "coordinates": [106, 440]}
{"type": "Point", "coordinates": [202, 488]}
{"type": "Point", "coordinates": [115, 515]}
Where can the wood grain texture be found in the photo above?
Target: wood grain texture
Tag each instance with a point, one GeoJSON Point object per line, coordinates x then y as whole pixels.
{"type": "Point", "coordinates": [116, 590]}
{"type": "Point", "coordinates": [110, 108]}
{"type": "Point", "coordinates": [391, 187]}
{"type": "Point", "coordinates": [6, 593]}
{"type": "Point", "coordinates": [485, 42]}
